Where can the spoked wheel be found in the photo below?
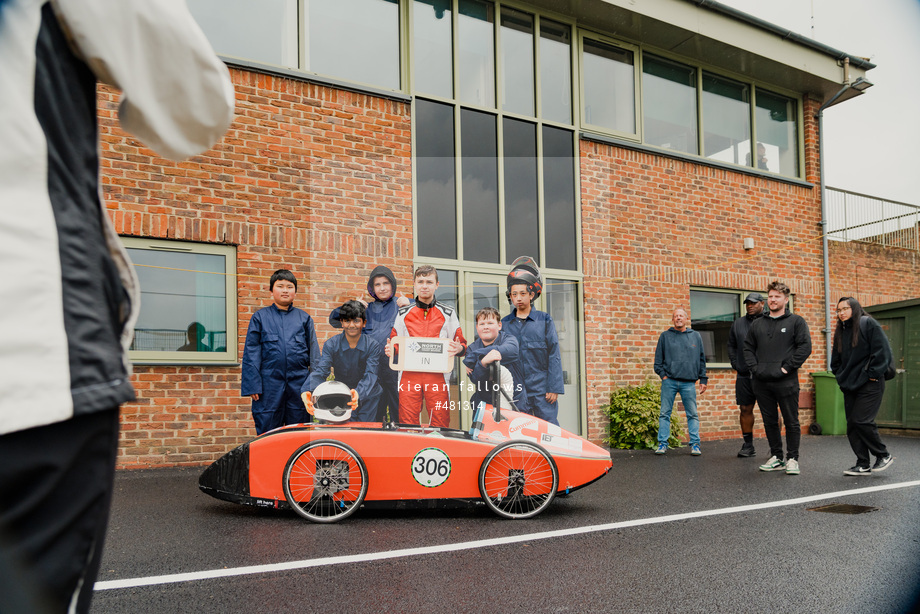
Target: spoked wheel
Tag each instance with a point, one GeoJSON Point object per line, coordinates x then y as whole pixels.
{"type": "Point", "coordinates": [518, 479]}
{"type": "Point", "coordinates": [325, 481]}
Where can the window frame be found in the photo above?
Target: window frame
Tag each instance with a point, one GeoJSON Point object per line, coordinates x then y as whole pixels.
{"type": "Point", "coordinates": [741, 310]}
{"type": "Point", "coordinates": [229, 252]}
{"type": "Point", "coordinates": [636, 50]}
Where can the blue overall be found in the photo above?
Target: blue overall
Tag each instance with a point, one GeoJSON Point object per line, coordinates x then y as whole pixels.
{"type": "Point", "coordinates": [355, 367]}
{"type": "Point", "coordinates": [280, 352]}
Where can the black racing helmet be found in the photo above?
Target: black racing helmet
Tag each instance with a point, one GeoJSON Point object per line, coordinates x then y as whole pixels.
{"type": "Point", "coordinates": [330, 401]}
{"type": "Point", "coordinates": [525, 270]}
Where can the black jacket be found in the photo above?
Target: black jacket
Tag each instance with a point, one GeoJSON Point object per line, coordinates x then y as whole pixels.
{"type": "Point", "coordinates": [854, 366]}
{"type": "Point", "coordinates": [774, 344]}
{"type": "Point", "coordinates": [736, 337]}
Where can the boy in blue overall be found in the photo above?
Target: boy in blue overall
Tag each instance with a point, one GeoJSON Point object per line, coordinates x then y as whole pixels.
{"type": "Point", "coordinates": [493, 344]}
{"type": "Point", "coordinates": [541, 360]}
{"type": "Point", "coordinates": [381, 313]}
{"type": "Point", "coordinates": [280, 352]}
{"type": "Point", "coordinates": [353, 357]}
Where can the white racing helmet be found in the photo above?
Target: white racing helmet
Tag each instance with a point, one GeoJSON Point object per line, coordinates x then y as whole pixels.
{"type": "Point", "coordinates": [330, 402]}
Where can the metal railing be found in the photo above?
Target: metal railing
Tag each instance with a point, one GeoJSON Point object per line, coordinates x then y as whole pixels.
{"type": "Point", "coordinates": [860, 217]}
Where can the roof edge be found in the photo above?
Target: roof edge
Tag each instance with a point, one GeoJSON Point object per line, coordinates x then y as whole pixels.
{"type": "Point", "coordinates": [785, 33]}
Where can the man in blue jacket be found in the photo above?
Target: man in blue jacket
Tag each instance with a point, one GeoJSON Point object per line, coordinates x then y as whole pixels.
{"type": "Point", "coordinates": [381, 313]}
{"type": "Point", "coordinates": [680, 361]}
{"type": "Point", "coordinates": [535, 331]}
{"type": "Point", "coordinates": [353, 357]}
{"type": "Point", "coordinates": [280, 352]}
{"type": "Point", "coordinates": [492, 345]}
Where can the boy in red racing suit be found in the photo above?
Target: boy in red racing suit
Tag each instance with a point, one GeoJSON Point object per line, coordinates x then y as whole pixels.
{"type": "Point", "coordinates": [426, 318]}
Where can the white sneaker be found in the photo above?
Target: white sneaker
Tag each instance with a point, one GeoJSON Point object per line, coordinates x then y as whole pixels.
{"type": "Point", "coordinates": [792, 467]}
{"type": "Point", "coordinates": [774, 464]}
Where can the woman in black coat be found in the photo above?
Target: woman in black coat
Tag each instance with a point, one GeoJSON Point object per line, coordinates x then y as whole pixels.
{"type": "Point", "coordinates": [860, 357]}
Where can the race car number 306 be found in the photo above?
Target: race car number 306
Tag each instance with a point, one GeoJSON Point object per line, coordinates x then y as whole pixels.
{"type": "Point", "coordinates": [431, 467]}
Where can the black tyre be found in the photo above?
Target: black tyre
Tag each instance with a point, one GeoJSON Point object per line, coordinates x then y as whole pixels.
{"type": "Point", "coordinates": [518, 479]}
{"type": "Point", "coordinates": [325, 481]}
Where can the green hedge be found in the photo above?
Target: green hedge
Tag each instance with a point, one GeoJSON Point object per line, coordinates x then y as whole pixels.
{"type": "Point", "coordinates": [633, 413]}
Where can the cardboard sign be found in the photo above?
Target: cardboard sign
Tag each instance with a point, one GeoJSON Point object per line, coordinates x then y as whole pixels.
{"type": "Point", "coordinates": [426, 354]}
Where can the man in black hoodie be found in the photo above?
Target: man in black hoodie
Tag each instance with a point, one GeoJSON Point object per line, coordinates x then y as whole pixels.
{"type": "Point", "coordinates": [744, 387]}
{"type": "Point", "coordinates": [774, 350]}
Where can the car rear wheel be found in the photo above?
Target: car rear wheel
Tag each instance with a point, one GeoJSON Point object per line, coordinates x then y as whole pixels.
{"type": "Point", "coordinates": [518, 479]}
{"type": "Point", "coordinates": [325, 481]}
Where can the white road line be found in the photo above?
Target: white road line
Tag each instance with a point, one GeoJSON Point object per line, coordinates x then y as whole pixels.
{"type": "Point", "coordinates": [483, 543]}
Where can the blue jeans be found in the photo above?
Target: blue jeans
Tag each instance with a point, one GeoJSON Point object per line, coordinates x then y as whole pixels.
{"type": "Point", "coordinates": [669, 389]}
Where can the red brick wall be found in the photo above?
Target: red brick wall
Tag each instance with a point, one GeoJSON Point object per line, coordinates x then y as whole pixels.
{"type": "Point", "coordinates": [652, 227]}
{"type": "Point", "coordinates": [308, 178]}
{"type": "Point", "coordinates": [873, 274]}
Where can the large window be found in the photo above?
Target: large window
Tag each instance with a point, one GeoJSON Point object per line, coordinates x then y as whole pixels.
{"type": "Point", "coordinates": [517, 62]}
{"type": "Point", "coordinates": [493, 181]}
{"type": "Point", "coordinates": [726, 120]}
{"type": "Point", "coordinates": [777, 134]}
{"type": "Point", "coordinates": [264, 31]}
{"type": "Point", "coordinates": [669, 108]}
{"type": "Point", "coordinates": [188, 302]}
{"type": "Point", "coordinates": [555, 71]}
{"type": "Point", "coordinates": [712, 314]}
{"type": "Point", "coordinates": [476, 34]}
{"type": "Point", "coordinates": [479, 167]}
{"type": "Point", "coordinates": [522, 213]}
{"type": "Point", "coordinates": [432, 42]}
{"type": "Point", "coordinates": [356, 40]}
{"type": "Point", "coordinates": [435, 180]}
{"type": "Point", "coordinates": [609, 86]}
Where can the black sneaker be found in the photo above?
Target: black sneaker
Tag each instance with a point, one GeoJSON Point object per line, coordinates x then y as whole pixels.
{"type": "Point", "coordinates": [857, 470]}
{"type": "Point", "coordinates": [747, 451]}
{"type": "Point", "coordinates": [882, 463]}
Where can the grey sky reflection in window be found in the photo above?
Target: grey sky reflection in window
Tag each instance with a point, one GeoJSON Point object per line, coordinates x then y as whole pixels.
{"type": "Point", "coordinates": [777, 133]}
{"type": "Point", "coordinates": [357, 40]}
{"type": "Point", "coordinates": [726, 120]}
{"type": "Point", "coordinates": [264, 31]}
{"type": "Point", "coordinates": [555, 71]}
{"type": "Point", "coordinates": [517, 62]}
{"type": "Point", "coordinates": [431, 21]}
{"type": "Point", "coordinates": [476, 38]}
{"type": "Point", "coordinates": [179, 290]}
{"type": "Point", "coordinates": [609, 87]}
{"type": "Point", "coordinates": [669, 105]}
{"type": "Point", "coordinates": [479, 165]}
{"type": "Point", "coordinates": [436, 202]}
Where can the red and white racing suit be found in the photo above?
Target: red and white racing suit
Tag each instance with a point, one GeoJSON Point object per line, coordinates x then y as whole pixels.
{"type": "Point", "coordinates": [421, 320]}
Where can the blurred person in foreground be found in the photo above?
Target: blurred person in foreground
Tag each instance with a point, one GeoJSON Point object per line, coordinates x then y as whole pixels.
{"type": "Point", "coordinates": [69, 297]}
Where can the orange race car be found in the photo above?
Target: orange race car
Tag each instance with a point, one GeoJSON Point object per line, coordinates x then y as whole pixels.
{"type": "Point", "coordinates": [514, 463]}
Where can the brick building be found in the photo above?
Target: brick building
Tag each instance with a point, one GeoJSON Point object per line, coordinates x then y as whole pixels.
{"type": "Point", "coordinates": [619, 145]}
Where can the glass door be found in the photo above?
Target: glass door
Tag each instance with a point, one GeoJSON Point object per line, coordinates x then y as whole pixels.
{"type": "Point", "coordinates": [560, 300]}
{"type": "Point", "coordinates": [478, 290]}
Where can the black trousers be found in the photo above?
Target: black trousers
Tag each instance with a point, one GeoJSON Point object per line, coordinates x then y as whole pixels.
{"type": "Point", "coordinates": [773, 398]}
{"type": "Point", "coordinates": [56, 486]}
{"type": "Point", "coordinates": [861, 408]}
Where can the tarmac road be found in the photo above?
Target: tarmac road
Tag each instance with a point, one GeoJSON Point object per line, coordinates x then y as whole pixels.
{"type": "Point", "coordinates": [658, 534]}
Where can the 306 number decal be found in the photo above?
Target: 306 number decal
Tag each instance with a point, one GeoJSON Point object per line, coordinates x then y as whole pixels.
{"type": "Point", "coordinates": [431, 467]}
